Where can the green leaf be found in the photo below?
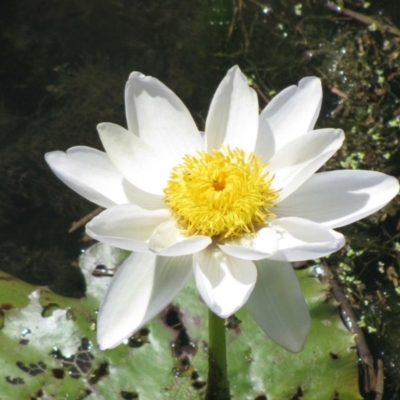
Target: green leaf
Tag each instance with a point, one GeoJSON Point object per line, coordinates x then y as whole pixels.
{"type": "Point", "coordinates": [48, 347]}
{"type": "Point", "coordinates": [326, 367]}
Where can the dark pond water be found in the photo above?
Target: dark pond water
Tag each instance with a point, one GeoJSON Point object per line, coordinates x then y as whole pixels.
{"type": "Point", "coordinates": [63, 67]}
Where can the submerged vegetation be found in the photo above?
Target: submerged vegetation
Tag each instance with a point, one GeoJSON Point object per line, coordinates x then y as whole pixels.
{"type": "Point", "coordinates": [64, 71]}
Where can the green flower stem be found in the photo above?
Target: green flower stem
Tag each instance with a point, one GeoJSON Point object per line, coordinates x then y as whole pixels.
{"type": "Point", "coordinates": [218, 385]}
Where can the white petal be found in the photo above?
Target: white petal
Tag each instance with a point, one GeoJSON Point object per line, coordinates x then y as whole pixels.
{"type": "Point", "coordinates": [159, 117]}
{"type": "Point", "coordinates": [167, 240]}
{"type": "Point", "coordinates": [294, 163]}
{"type": "Point", "coordinates": [300, 239]}
{"type": "Point", "coordinates": [250, 247]}
{"type": "Point", "coordinates": [277, 304]}
{"type": "Point", "coordinates": [90, 173]}
{"type": "Point", "coordinates": [141, 198]}
{"type": "Point", "coordinates": [265, 145]}
{"type": "Point", "coordinates": [290, 114]}
{"type": "Point", "coordinates": [339, 198]}
{"type": "Point", "coordinates": [233, 116]}
{"type": "Point", "coordinates": [143, 286]}
{"type": "Point", "coordinates": [224, 282]}
{"type": "Point", "coordinates": [137, 162]}
{"type": "Point", "coordinates": [127, 226]}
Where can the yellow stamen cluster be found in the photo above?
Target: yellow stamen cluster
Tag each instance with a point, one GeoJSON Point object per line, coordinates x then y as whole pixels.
{"type": "Point", "coordinates": [222, 194]}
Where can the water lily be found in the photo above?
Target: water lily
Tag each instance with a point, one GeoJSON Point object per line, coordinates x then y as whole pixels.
{"type": "Point", "coordinates": [233, 206]}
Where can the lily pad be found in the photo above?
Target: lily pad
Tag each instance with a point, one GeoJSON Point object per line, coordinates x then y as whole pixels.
{"type": "Point", "coordinates": [49, 349]}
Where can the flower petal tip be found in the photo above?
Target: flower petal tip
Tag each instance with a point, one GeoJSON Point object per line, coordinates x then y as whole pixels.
{"type": "Point", "coordinates": [108, 336]}
{"type": "Point", "coordinates": [136, 75]}
{"type": "Point", "coordinates": [101, 126]}
{"type": "Point", "coordinates": [309, 81]}
{"type": "Point", "coordinates": [394, 186]}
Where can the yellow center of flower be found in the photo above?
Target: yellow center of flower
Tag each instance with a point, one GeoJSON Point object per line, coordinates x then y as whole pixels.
{"type": "Point", "coordinates": [223, 194]}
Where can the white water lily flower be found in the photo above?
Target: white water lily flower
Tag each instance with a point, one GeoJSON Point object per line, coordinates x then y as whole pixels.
{"type": "Point", "coordinates": [232, 207]}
